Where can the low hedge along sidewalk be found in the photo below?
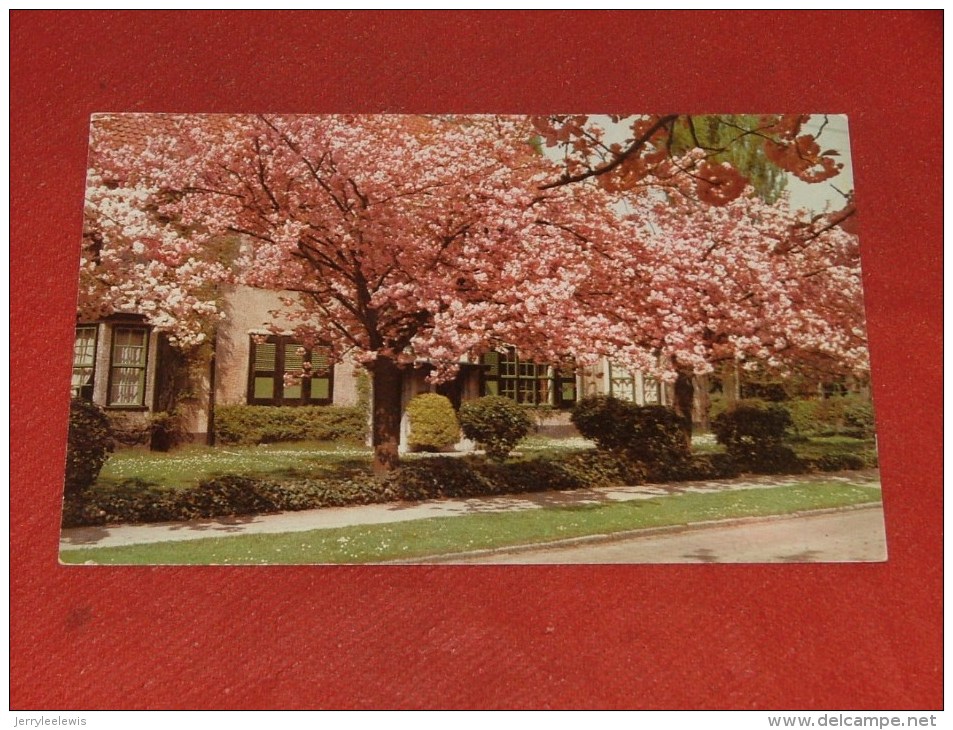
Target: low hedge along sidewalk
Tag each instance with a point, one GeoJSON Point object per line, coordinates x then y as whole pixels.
{"type": "Point", "coordinates": [453, 477]}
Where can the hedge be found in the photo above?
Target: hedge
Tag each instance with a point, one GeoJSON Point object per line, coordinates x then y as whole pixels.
{"type": "Point", "coordinates": [249, 425]}
{"type": "Point", "coordinates": [415, 480]}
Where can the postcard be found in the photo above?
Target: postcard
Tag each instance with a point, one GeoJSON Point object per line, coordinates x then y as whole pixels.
{"type": "Point", "coordinates": [470, 339]}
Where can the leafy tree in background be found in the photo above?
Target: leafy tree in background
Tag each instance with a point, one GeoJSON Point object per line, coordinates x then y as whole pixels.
{"type": "Point", "coordinates": [728, 138]}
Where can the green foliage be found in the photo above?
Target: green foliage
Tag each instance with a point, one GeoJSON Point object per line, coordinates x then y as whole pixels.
{"type": "Point", "coordinates": [859, 417]}
{"type": "Point", "coordinates": [227, 495]}
{"type": "Point", "coordinates": [647, 434]}
{"type": "Point", "coordinates": [602, 419]}
{"type": "Point", "coordinates": [363, 386]}
{"type": "Point", "coordinates": [837, 461]}
{"type": "Point", "coordinates": [698, 467]}
{"type": "Point", "coordinates": [753, 434]}
{"type": "Point", "coordinates": [268, 424]}
{"type": "Point", "coordinates": [724, 138]}
{"type": "Point", "coordinates": [496, 423]}
{"type": "Point", "coordinates": [431, 478]}
{"type": "Point", "coordinates": [849, 415]}
{"type": "Point", "coordinates": [268, 479]}
{"type": "Point", "coordinates": [595, 468]}
{"type": "Point", "coordinates": [433, 423]}
{"type": "Point", "coordinates": [166, 430]}
{"type": "Point", "coordinates": [88, 445]}
{"type": "Point", "coordinates": [438, 477]}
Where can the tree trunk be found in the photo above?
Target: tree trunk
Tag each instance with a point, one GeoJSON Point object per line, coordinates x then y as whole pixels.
{"type": "Point", "coordinates": [731, 383]}
{"type": "Point", "coordinates": [387, 382]}
{"type": "Point", "coordinates": [684, 399]}
{"type": "Point", "coordinates": [703, 410]}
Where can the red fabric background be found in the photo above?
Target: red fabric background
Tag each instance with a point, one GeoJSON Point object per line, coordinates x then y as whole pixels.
{"type": "Point", "coordinates": [702, 636]}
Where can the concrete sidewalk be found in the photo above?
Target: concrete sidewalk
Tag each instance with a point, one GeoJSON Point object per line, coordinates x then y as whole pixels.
{"type": "Point", "coordinates": [375, 514]}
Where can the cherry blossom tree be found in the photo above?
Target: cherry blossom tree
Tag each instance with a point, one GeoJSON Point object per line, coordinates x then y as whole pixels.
{"type": "Point", "coordinates": [697, 165]}
{"type": "Point", "coordinates": [760, 285]}
{"type": "Point", "coordinates": [134, 262]}
{"type": "Point", "coordinates": [398, 239]}
{"type": "Point", "coordinates": [402, 239]}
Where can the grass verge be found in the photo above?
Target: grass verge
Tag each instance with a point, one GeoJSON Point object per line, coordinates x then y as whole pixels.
{"type": "Point", "coordinates": [442, 535]}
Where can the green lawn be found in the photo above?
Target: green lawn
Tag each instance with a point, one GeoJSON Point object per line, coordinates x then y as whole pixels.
{"type": "Point", "coordinates": [419, 538]}
{"type": "Point", "coordinates": [820, 445]}
{"type": "Point", "coordinates": [187, 466]}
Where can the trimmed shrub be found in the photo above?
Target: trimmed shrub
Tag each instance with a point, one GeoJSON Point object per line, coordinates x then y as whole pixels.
{"type": "Point", "coordinates": [228, 495]}
{"type": "Point", "coordinates": [803, 413]}
{"type": "Point", "coordinates": [648, 434]}
{"type": "Point", "coordinates": [842, 415]}
{"type": "Point", "coordinates": [88, 446]}
{"type": "Point", "coordinates": [859, 418]}
{"type": "Point", "coordinates": [776, 460]}
{"type": "Point", "coordinates": [754, 436]}
{"type": "Point", "coordinates": [837, 461]}
{"type": "Point", "coordinates": [438, 477]}
{"type": "Point", "coordinates": [602, 469]}
{"type": "Point", "coordinates": [267, 424]}
{"type": "Point", "coordinates": [166, 430]}
{"type": "Point", "coordinates": [496, 423]}
{"type": "Point", "coordinates": [605, 420]}
{"type": "Point", "coordinates": [433, 424]}
{"type": "Point", "coordinates": [697, 467]}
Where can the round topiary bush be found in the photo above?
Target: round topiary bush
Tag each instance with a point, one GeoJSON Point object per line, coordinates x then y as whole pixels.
{"type": "Point", "coordinates": [89, 444]}
{"type": "Point", "coordinates": [496, 423]}
{"type": "Point", "coordinates": [433, 423]}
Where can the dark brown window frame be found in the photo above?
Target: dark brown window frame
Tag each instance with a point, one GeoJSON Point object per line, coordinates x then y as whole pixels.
{"type": "Point", "coordinates": [554, 380]}
{"type": "Point", "coordinates": [113, 366]}
{"type": "Point", "coordinates": [281, 342]}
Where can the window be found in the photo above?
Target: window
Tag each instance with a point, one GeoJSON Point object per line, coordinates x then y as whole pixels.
{"type": "Point", "coordinates": [272, 358]}
{"type": "Point", "coordinates": [527, 382]}
{"type": "Point", "coordinates": [625, 386]}
{"type": "Point", "coordinates": [621, 383]}
{"type": "Point", "coordinates": [84, 361]}
{"type": "Point", "coordinates": [127, 367]}
{"type": "Point", "coordinates": [652, 390]}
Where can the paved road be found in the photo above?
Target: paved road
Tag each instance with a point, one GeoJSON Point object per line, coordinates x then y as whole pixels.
{"type": "Point", "coordinates": [852, 536]}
